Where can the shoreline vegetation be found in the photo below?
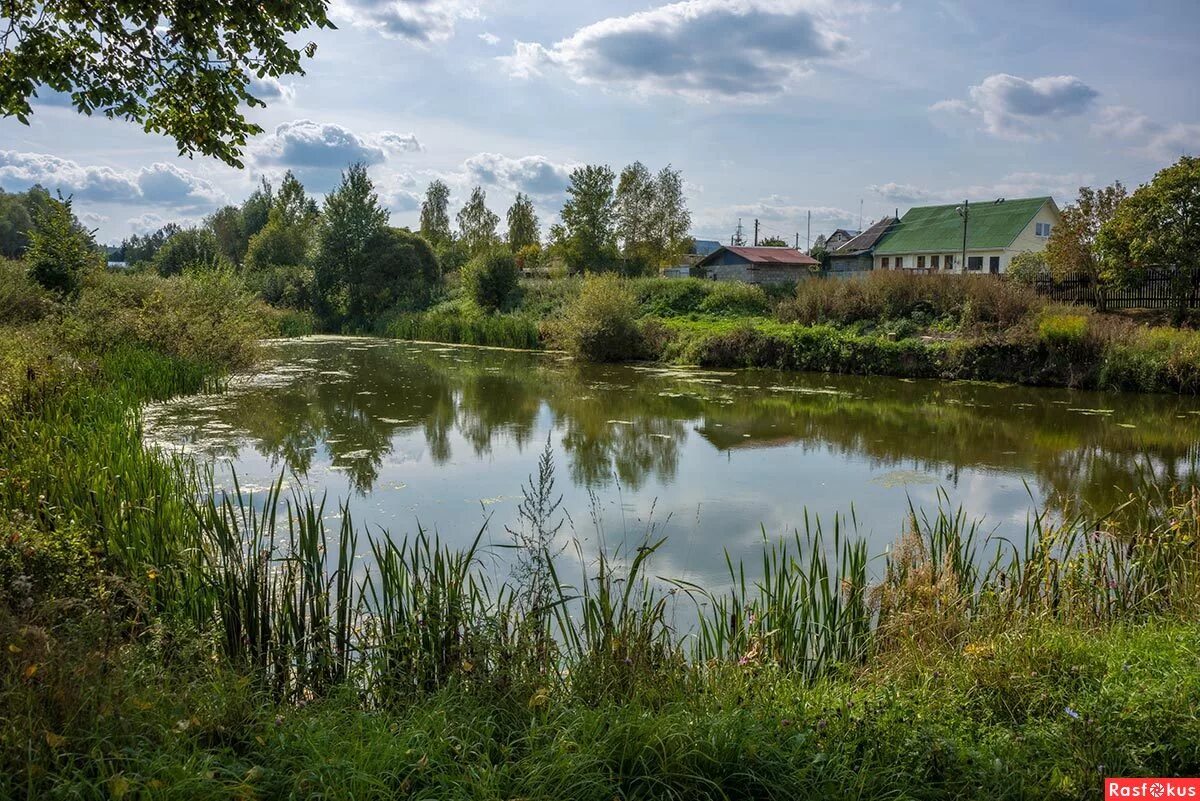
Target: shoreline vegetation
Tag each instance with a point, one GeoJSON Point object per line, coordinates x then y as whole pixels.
{"type": "Point", "coordinates": [162, 640]}
{"type": "Point", "coordinates": [885, 323]}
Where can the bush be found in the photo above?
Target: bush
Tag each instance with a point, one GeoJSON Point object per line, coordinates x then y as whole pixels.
{"type": "Point", "coordinates": [206, 317]}
{"type": "Point", "coordinates": [734, 298]}
{"type": "Point", "coordinates": [1063, 330]}
{"type": "Point", "coordinates": [601, 325]}
{"type": "Point", "coordinates": [893, 295]}
{"type": "Point", "coordinates": [490, 279]}
{"type": "Point", "coordinates": [22, 300]}
{"type": "Point", "coordinates": [401, 273]}
{"type": "Point", "coordinates": [284, 286]}
{"type": "Point", "coordinates": [1027, 268]}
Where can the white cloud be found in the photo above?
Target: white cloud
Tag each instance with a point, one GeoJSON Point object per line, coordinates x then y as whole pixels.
{"type": "Point", "coordinates": [489, 39]}
{"type": "Point", "coordinates": [322, 150]}
{"type": "Point", "coordinates": [534, 175]}
{"type": "Point", "coordinates": [1014, 185]}
{"type": "Point", "coordinates": [419, 21]}
{"type": "Point", "coordinates": [271, 89]}
{"type": "Point", "coordinates": [166, 183]}
{"type": "Point", "coordinates": [1015, 108]}
{"type": "Point", "coordinates": [1146, 136]}
{"type": "Point", "coordinates": [159, 183]}
{"type": "Point", "coordinates": [700, 49]}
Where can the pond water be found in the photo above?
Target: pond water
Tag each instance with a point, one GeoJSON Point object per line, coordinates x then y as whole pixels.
{"type": "Point", "coordinates": [445, 436]}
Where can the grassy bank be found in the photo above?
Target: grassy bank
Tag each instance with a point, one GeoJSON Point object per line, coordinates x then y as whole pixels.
{"type": "Point", "coordinates": [952, 327]}
{"type": "Point", "coordinates": [163, 640]}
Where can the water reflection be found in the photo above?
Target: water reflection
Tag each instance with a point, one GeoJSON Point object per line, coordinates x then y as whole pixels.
{"type": "Point", "coordinates": [461, 425]}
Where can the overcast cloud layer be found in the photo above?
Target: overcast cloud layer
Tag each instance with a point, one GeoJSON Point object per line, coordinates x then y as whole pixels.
{"type": "Point", "coordinates": [772, 109]}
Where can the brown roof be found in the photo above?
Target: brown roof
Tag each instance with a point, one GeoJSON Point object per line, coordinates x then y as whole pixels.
{"type": "Point", "coordinates": [867, 239]}
{"type": "Point", "coordinates": [785, 256]}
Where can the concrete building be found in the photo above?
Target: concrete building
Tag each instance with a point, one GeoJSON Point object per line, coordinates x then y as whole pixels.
{"type": "Point", "coordinates": [758, 265]}
{"type": "Point", "coordinates": [930, 238]}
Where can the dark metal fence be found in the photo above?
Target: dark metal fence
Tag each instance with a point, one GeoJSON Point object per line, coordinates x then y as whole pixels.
{"type": "Point", "coordinates": [1154, 292]}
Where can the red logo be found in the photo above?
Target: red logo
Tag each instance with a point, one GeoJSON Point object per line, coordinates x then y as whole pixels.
{"type": "Point", "coordinates": [1155, 788]}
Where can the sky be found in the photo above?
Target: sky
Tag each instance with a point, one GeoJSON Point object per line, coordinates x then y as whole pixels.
{"type": "Point", "coordinates": [771, 109]}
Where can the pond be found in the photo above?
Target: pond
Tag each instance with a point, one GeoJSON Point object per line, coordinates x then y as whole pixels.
{"type": "Point", "coordinates": [444, 437]}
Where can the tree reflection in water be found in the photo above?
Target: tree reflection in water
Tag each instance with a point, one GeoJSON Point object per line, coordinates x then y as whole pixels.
{"type": "Point", "coordinates": [345, 402]}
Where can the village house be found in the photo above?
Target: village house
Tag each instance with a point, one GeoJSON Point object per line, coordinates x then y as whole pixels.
{"type": "Point", "coordinates": [930, 238]}
{"type": "Point", "coordinates": [858, 254]}
{"type": "Point", "coordinates": [838, 238]}
{"type": "Point", "coordinates": [761, 265]}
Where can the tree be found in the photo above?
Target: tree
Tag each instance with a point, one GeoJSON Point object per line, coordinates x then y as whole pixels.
{"type": "Point", "coordinates": [181, 69]}
{"type": "Point", "coordinates": [635, 201]}
{"type": "Point", "coordinates": [1027, 267]}
{"type": "Point", "coordinates": [1072, 248]}
{"type": "Point", "coordinates": [402, 273]}
{"type": "Point", "coordinates": [352, 217]}
{"type": "Point", "coordinates": [477, 223]}
{"type": "Point", "coordinates": [293, 203]}
{"type": "Point", "coordinates": [772, 242]}
{"type": "Point", "coordinates": [491, 278]}
{"type": "Point", "coordinates": [588, 238]}
{"type": "Point", "coordinates": [142, 249]}
{"type": "Point", "coordinates": [435, 214]}
{"type": "Point", "coordinates": [288, 233]}
{"type": "Point", "coordinates": [672, 220]}
{"type": "Point", "coordinates": [652, 218]}
{"type": "Point", "coordinates": [523, 228]}
{"type": "Point", "coordinates": [257, 208]}
{"type": "Point", "coordinates": [59, 253]}
{"type": "Point", "coordinates": [190, 248]}
{"type": "Point", "coordinates": [17, 213]}
{"type": "Point", "coordinates": [1158, 226]}
{"type": "Point", "coordinates": [229, 227]}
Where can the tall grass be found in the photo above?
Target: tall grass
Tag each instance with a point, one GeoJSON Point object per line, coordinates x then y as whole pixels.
{"type": "Point", "coordinates": [497, 330]}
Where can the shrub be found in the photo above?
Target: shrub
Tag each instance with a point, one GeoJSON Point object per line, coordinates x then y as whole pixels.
{"type": "Point", "coordinates": [206, 317]}
{"type": "Point", "coordinates": [284, 286]}
{"type": "Point", "coordinates": [22, 300]}
{"type": "Point", "coordinates": [734, 298]}
{"type": "Point", "coordinates": [490, 279]}
{"type": "Point", "coordinates": [892, 295]}
{"type": "Point", "coordinates": [1027, 268]}
{"type": "Point", "coordinates": [601, 324]}
{"type": "Point", "coordinates": [59, 254]}
{"type": "Point", "coordinates": [1063, 330]}
{"type": "Point", "coordinates": [669, 297]}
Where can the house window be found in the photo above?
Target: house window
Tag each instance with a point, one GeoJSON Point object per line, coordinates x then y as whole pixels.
{"type": "Point", "coordinates": [1042, 229]}
{"type": "Point", "coordinates": [994, 265]}
{"type": "Point", "coordinates": [933, 262]}
{"type": "Point", "coordinates": [899, 262]}
{"type": "Point", "coordinates": [920, 262]}
{"type": "Point", "coordinates": [975, 263]}
{"type": "Point", "coordinates": [884, 264]}
{"type": "Point", "coordinates": [949, 262]}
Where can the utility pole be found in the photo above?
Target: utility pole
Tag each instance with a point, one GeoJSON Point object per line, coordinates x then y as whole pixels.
{"type": "Point", "coordinates": [797, 240]}
{"type": "Point", "coordinates": [755, 232]}
{"type": "Point", "coordinates": [808, 236]}
{"type": "Point", "coordinates": [964, 211]}
{"type": "Point", "coordinates": [860, 205]}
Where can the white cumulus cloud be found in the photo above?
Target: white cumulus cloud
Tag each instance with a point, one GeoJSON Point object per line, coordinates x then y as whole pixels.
{"type": "Point", "coordinates": [1011, 107]}
{"type": "Point", "coordinates": [700, 49]}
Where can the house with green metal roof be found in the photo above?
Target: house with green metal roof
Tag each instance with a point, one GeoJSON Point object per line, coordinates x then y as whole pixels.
{"type": "Point", "coordinates": [967, 237]}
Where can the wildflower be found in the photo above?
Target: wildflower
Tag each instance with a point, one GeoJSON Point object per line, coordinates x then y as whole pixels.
{"type": "Point", "coordinates": [1072, 713]}
{"type": "Point", "coordinates": [279, 720]}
